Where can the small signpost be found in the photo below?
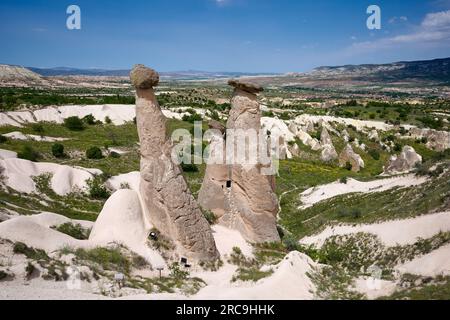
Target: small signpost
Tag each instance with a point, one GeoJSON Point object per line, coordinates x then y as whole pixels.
{"type": "Point", "coordinates": [160, 269]}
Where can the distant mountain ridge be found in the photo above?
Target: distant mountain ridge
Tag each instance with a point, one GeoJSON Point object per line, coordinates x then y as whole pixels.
{"type": "Point", "coordinates": [18, 74]}
{"type": "Point", "coordinates": [176, 75]}
{"type": "Point", "coordinates": [437, 69]}
{"type": "Point", "coordinates": [426, 70]}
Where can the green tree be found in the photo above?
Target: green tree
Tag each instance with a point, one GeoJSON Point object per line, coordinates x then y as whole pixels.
{"type": "Point", "coordinates": [94, 153]}
{"type": "Point", "coordinates": [58, 150]}
{"type": "Point", "coordinates": [74, 124]}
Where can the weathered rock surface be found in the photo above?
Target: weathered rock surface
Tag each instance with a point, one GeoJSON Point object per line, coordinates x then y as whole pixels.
{"type": "Point", "coordinates": [436, 140]}
{"type": "Point", "coordinates": [325, 137]}
{"type": "Point", "coordinates": [245, 86]}
{"type": "Point", "coordinates": [250, 204]}
{"type": "Point", "coordinates": [328, 151]}
{"type": "Point", "coordinates": [405, 162]}
{"type": "Point", "coordinates": [373, 135]}
{"type": "Point", "coordinates": [309, 141]}
{"type": "Point", "coordinates": [212, 193]}
{"type": "Point", "coordinates": [122, 221]}
{"type": "Point", "coordinates": [349, 156]}
{"type": "Point", "coordinates": [216, 125]}
{"type": "Point", "coordinates": [345, 135]}
{"type": "Point", "coordinates": [170, 206]}
{"type": "Point", "coordinates": [253, 204]}
{"type": "Point", "coordinates": [143, 77]}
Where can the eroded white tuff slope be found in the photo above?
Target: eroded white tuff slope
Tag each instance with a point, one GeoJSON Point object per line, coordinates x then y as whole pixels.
{"type": "Point", "coordinates": [118, 114]}
{"type": "Point", "coordinates": [317, 194]}
{"type": "Point", "coordinates": [391, 233]}
{"type": "Point", "coordinates": [19, 173]}
{"type": "Point", "coordinates": [171, 207]}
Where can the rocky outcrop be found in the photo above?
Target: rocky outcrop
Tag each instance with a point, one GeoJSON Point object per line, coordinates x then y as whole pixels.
{"type": "Point", "coordinates": [18, 74]}
{"type": "Point", "coordinates": [349, 156]}
{"type": "Point", "coordinates": [325, 137]}
{"type": "Point", "coordinates": [328, 151]}
{"type": "Point", "coordinates": [122, 221]}
{"type": "Point", "coordinates": [276, 129]}
{"type": "Point", "coordinates": [250, 204]}
{"type": "Point", "coordinates": [240, 194]}
{"type": "Point", "coordinates": [405, 162]}
{"type": "Point", "coordinates": [309, 141]}
{"type": "Point", "coordinates": [212, 193]}
{"type": "Point", "coordinates": [171, 208]}
{"type": "Point", "coordinates": [345, 135]}
{"type": "Point", "coordinates": [436, 140]}
{"type": "Point", "coordinates": [216, 125]}
{"type": "Point", "coordinates": [373, 135]}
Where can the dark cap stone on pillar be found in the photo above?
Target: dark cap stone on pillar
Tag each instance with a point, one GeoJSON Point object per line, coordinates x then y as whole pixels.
{"type": "Point", "coordinates": [245, 86]}
{"type": "Point", "coordinates": [143, 77]}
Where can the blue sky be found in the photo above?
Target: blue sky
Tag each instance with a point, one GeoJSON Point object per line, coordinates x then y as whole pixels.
{"type": "Point", "coordinates": [221, 35]}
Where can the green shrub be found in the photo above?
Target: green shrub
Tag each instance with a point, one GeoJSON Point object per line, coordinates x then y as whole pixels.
{"type": "Point", "coordinates": [108, 120]}
{"type": "Point", "coordinates": [348, 166]}
{"type": "Point", "coordinates": [89, 119]}
{"type": "Point", "coordinates": [189, 167]}
{"type": "Point", "coordinates": [30, 253]}
{"type": "Point", "coordinates": [374, 154]}
{"type": "Point", "coordinates": [108, 258]}
{"type": "Point", "coordinates": [431, 122]}
{"type": "Point", "coordinates": [74, 124]}
{"type": "Point", "coordinates": [210, 217]}
{"type": "Point", "coordinates": [74, 230]}
{"type": "Point", "coordinates": [343, 180]}
{"type": "Point", "coordinates": [29, 269]}
{"type": "Point", "coordinates": [94, 153]}
{"type": "Point", "coordinates": [58, 150]}
{"type": "Point", "coordinates": [251, 274]}
{"type": "Point", "coordinates": [177, 273]}
{"type": "Point", "coordinates": [421, 170]}
{"type": "Point", "coordinates": [96, 188]}
{"type": "Point", "coordinates": [3, 139]}
{"type": "Point", "coordinates": [38, 128]}
{"type": "Point", "coordinates": [192, 117]}
{"type": "Point", "coordinates": [28, 153]}
{"type": "Point", "coordinates": [291, 243]}
{"type": "Point", "coordinates": [350, 213]}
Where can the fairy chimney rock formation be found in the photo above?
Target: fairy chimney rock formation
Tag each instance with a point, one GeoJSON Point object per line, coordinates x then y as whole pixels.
{"type": "Point", "coordinates": [170, 206]}
{"type": "Point", "coordinates": [405, 162]}
{"type": "Point", "coordinates": [211, 195]}
{"type": "Point", "coordinates": [328, 151]}
{"type": "Point", "coordinates": [349, 156]}
{"type": "Point", "coordinates": [251, 205]}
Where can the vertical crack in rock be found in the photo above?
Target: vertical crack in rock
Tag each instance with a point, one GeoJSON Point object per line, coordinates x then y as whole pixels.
{"type": "Point", "coordinates": [170, 206]}
{"type": "Point", "coordinates": [240, 195]}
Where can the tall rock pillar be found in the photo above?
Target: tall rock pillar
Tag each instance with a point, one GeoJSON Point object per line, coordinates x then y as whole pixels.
{"type": "Point", "coordinates": [251, 205]}
{"type": "Point", "coordinates": [170, 205]}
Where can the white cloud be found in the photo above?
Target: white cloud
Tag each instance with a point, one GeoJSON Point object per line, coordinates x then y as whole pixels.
{"type": "Point", "coordinates": [434, 30]}
{"type": "Point", "coordinates": [437, 20]}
